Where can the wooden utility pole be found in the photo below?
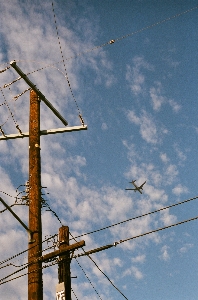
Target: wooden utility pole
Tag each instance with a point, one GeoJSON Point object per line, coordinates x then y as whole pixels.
{"type": "Point", "coordinates": [35, 283]}
{"type": "Point", "coordinates": [35, 258]}
{"type": "Point", "coordinates": [64, 264]}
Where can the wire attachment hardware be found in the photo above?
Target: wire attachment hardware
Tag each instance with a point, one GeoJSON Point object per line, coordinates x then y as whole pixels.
{"type": "Point", "coordinates": [17, 127]}
{"type": "Point", "coordinates": [2, 132]}
{"type": "Point", "coordinates": [81, 120]}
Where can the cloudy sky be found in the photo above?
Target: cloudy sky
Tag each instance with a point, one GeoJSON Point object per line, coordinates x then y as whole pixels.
{"type": "Point", "coordinates": [138, 97]}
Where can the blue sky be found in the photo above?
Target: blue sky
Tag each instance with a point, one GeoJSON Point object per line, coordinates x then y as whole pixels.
{"type": "Point", "coordinates": [138, 97]}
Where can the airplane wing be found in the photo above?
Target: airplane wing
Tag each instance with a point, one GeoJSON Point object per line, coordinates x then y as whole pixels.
{"type": "Point", "coordinates": [131, 189]}
{"type": "Point", "coordinates": [141, 186]}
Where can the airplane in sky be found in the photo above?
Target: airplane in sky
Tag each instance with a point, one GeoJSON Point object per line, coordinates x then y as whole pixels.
{"type": "Point", "coordinates": [137, 188]}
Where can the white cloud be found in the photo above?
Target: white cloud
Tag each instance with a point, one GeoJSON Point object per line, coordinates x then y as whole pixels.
{"type": "Point", "coordinates": [148, 129]}
{"type": "Point", "coordinates": [179, 189]}
{"type": "Point", "coordinates": [164, 157]}
{"type": "Point", "coordinates": [137, 273]}
{"type": "Point", "coordinates": [134, 75]}
{"type": "Point", "coordinates": [139, 259]}
{"type": "Point", "coordinates": [164, 253]}
{"type": "Point", "coordinates": [171, 173]}
{"type": "Point", "coordinates": [175, 106]}
{"type": "Point", "coordinates": [185, 248]}
{"type": "Point", "coordinates": [104, 126]}
{"type": "Point", "coordinates": [133, 271]}
{"type": "Point", "coordinates": [156, 97]}
{"type": "Point", "coordinates": [179, 152]}
{"type": "Point", "coordinates": [167, 218]}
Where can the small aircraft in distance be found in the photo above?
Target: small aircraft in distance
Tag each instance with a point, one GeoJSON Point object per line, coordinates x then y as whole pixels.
{"type": "Point", "coordinates": [137, 188]}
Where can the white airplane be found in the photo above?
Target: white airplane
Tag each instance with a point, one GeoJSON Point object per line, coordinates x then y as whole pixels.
{"type": "Point", "coordinates": [137, 188]}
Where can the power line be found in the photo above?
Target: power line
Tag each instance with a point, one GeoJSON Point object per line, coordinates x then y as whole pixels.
{"type": "Point", "coordinates": [11, 114]}
{"type": "Point", "coordinates": [107, 278]}
{"type": "Point", "coordinates": [149, 213]}
{"type": "Point", "coordinates": [133, 33]}
{"type": "Point", "coordinates": [26, 250]}
{"type": "Point", "coordinates": [35, 270]}
{"type": "Point", "coordinates": [112, 41]}
{"type": "Point", "coordinates": [101, 271]}
{"type": "Point", "coordinates": [99, 46]}
{"type": "Point", "coordinates": [137, 236]}
{"type": "Point", "coordinates": [1, 71]}
{"type": "Point", "coordinates": [156, 230]}
{"type": "Point", "coordinates": [140, 216]}
{"type": "Point", "coordinates": [74, 294]}
{"type": "Point", "coordinates": [115, 244]}
{"type": "Point", "coordinates": [66, 73]}
{"type": "Point", "coordinates": [88, 279]}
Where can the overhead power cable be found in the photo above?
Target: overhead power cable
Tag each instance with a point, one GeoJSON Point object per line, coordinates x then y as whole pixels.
{"type": "Point", "coordinates": [107, 278]}
{"type": "Point", "coordinates": [156, 230]}
{"type": "Point", "coordinates": [35, 270]}
{"type": "Point", "coordinates": [74, 294]}
{"type": "Point", "coordinates": [66, 73]}
{"type": "Point", "coordinates": [140, 216]}
{"type": "Point", "coordinates": [88, 279]}
{"type": "Point", "coordinates": [135, 237]}
{"type": "Point", "coordinates": [26, 250]}
{"type": "Point", "coordinates": [114, 244]}
{"type": "Point", "coordinates": [108, 246]}
{"type": "Point", "coordinates": [146, 214]}
{"type": "Point", "coordinates": [1, 71]}
{"type": "Point", "coordinates": [112, 41]}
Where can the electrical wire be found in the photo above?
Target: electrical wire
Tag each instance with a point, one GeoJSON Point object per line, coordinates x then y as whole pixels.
{"type": "Point", "coordinates": [26, 250]}
{"type": "Point", "coordinates": [102, 271]}
{"type": "Point", "coordinates": [11, 114]}
{"type": "Point", "coordinates": [140, 235]}
{"type": "Point", "coordinates": [35, 270]}
{"type": "Point", "coordinates": [115, 244]}
{"type": "Point", "coordinates": [133, 33]}
{"type": "Point", "coordinates": [119, 223]}
{"type": "Point", "coordinates": [156, 230]}
{"type": "Point", "coordinates": [1, 71]}
{"type": "Point", "coordinates": [53, 212]}
{"type": "Point", "coordinates": [66, 73]}
{"type": "Point", "coordinates": [7, 194]}
{"type": "Point", "coordinates": [88, 279]}
{"type": "Point", "coordinates": [140, 216]}
{"type": "Point", "coordinates": [22, 93]}
{"type": "Point", "coordinates": [74, 294]}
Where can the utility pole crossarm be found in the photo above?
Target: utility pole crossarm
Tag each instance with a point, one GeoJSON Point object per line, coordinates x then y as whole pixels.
{"type": "Point", "coordinates": [41, 96]}
{"type": "Point", "coordinates": [44, 132]}
{"type": "Point", "coordinates": [63, 251]}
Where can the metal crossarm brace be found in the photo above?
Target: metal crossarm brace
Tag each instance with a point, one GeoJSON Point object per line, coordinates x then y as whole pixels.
{"type": "Point", "coordinates": [41, 96]}
{"type": "Point", "coordinates": [30, 233]}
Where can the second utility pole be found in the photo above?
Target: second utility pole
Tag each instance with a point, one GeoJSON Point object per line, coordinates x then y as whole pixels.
{"type": "Point", "coordinates": [35, 282]}
{"type": "Point", "coordinates": [64, 275]}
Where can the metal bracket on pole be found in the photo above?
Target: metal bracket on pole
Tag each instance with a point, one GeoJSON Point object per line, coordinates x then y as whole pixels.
{"type": "Point", "coordinates": [30, 233]}
{"type": "Point", "coordinates": [41, 96]}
